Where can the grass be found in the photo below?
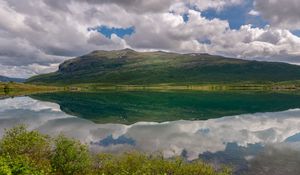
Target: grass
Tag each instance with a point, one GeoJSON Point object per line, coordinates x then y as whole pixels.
{"type": "Point", "coordinates": [246, 86]}
{"type": "Point", "coordinates": [17, 89]}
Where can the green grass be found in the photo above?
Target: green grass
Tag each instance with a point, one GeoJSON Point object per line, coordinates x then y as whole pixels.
{"type": "Point", "coordinates": [127, 67]}
{"type": "Point", "coordinates": [16, 89]}
{"type": "Point", "coordinates": [247, 86]}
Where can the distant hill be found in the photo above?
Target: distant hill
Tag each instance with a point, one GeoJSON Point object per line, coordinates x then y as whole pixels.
{"type": "Point", "coordinates": [141, 68]}
{"type": "Point", "coordinates": [8, 79]}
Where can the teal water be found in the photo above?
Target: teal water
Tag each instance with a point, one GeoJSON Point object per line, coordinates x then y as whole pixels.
{"type": "Point", "coordinates": [132, 107]}
{"type": "Point", "coordinates": [254, 132]}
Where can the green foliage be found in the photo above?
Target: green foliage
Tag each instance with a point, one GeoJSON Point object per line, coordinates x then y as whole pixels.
{"type": "Point", "coordinates": [21, 165]}
{"type": "Point", "coordinates": [4, 167]}
{"type": "Point", "coordinates": [25, 152]}
{"type": "Point", "coordinates": [70, 157]}
{"type": "Point", "coordinates": [6, 89]}
{"type": "Point", "coordinates": [135, 164]}
{"type": "Point", "coordinates": [19, 141]}
{"type": "Point", "coordinates": [19, 89]}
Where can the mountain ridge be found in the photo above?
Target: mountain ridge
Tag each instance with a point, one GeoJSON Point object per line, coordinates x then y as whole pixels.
{"type": "Point", "coordinates": [9, 79]}
{"type": "Point", "coordinates": [141, 68]}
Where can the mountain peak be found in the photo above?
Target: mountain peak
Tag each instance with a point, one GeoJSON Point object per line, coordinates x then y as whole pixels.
{"type": "Point", "coordinates": [128, 50]}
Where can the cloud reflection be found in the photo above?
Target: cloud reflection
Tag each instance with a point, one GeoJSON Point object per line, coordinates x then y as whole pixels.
{"type": "Point", "coordinates": [171, 138]}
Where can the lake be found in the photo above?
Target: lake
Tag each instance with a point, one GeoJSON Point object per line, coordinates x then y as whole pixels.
{"type": "Point", "coordinates": [253, 132]}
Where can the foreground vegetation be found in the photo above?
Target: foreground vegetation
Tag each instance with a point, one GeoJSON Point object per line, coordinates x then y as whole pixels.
{"type": "Point", "coordinates": [32, 153]}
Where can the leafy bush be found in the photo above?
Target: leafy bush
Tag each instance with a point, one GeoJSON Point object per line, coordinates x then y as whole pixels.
{"type": "Point", "coordinates": [70, 157]}
{"type": "Point", "coordinates": [135, 163]}
{"type": "Point", "coordinates": [21, 165]}
{"type": "Point", "coordinates": [24, 152]}
{"type": "Point", "coordinates": [4, 167]}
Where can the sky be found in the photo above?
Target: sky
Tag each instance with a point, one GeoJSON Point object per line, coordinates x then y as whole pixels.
{"type": "Point", "coordinates": [37, 35]}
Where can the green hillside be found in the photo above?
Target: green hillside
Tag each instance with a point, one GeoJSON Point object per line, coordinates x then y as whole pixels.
{"type": "Point", "coordinates": [144, 68]}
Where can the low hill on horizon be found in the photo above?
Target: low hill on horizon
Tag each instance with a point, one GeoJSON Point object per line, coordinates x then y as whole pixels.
{"type": "Point", "coordinates": [128, 67]}
{"type": "Point", "coordinates": [9, 79]}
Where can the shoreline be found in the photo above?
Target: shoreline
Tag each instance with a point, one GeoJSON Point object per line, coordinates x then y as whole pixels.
{"type": "Point", "coordinates": [19, 89]}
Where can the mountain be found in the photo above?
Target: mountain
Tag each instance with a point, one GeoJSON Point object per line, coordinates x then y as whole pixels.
{"type": "Point", "coordinates": [8, 79]}
{"type": "Point", "coordinates": [129, 67]}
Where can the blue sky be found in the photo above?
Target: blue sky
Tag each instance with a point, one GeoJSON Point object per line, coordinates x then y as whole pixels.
{"type": "Point", "coordinates": [236, 15]}
{"type": "Point", "coordinates": [108, 31]}
{"type": "Point", "coordinates": [296, 32]}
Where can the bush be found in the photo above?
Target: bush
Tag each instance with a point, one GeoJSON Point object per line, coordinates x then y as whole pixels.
{"type": "Point", "coordinates": [4, 167]}
{"type": "Point", "coordinates": [135, 163]}
{"type": "Point", "coordinates": [70, 157]}
{"type": "Point", "coordinates": [27, 149]}
{"type": "Point", "coordinates": [21, 165]}
{"type": "Point", "coordinates": [25, 152]}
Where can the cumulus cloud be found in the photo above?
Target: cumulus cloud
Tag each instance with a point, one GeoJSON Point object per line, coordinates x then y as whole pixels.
{"type": "Point", "coordinates": [37, 34]}
{"type": "Point", "coordinates": [151, 6]}
{"type": "Point", "coordinates": [282, 14]}
{"type": "Point", "coordinates": [254, 13]}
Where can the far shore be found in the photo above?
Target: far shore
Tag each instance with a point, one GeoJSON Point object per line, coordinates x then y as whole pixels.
{"type": "Point", "coordinates": [19, 89]}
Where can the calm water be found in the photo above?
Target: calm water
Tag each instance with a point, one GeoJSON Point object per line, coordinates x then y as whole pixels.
{"type": "Point", "coordinates": [253, 132]}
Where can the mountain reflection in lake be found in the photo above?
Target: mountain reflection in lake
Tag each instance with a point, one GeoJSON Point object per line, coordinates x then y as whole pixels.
{"type": "Point", "coordinates": [132, 107]}
{"type": "Point", "coordinates": [249, 142]}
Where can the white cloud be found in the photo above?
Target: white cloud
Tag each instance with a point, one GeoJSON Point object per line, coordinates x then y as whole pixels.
{"type": "Point", "coordinates": [250, 43]}
{"type": "Point", "coordinates": [44, 33]}
{"type": "Point", "coordinates": [254, 13]}
{"type": "Point", "coordinates": [27, 71]}
{"type": "Point", "coordinates": [283, 14]}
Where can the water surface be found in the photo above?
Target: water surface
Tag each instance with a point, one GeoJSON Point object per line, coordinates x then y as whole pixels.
{"type": "Point", "coordinates": [132, 107]}
{"type": "Point", "coordinates": [255, 133]}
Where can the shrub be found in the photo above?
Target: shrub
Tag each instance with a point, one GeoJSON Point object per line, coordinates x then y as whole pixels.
{"type": "Point", "coordinates": [24, 148]}
{"type": "Point", "coordinates": [4, 167]}
{"type": "Point", "coordinates": [135, 163]}
{"type": "Point", "coordinates": [70, 157]}
{"type": "Point", "coordinates": [21, 165]}
{"type": "Point", "coordinates": [6, 88]}
{"type": "Point", "coordinates": [25, 152]}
